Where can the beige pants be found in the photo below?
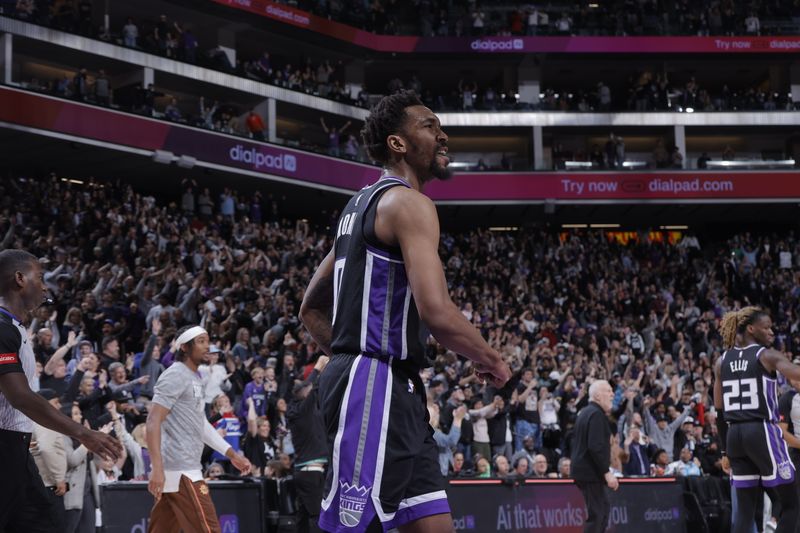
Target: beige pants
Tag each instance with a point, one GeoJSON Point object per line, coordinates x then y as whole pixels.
{"type": "Point", "coordinates": [189, 510]}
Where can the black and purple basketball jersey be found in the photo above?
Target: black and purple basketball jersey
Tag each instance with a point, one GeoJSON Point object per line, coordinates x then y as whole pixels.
{"type": "Point", "coordinates": [749, 392]}
{"type": "Point", "coordinates": [374, 313]}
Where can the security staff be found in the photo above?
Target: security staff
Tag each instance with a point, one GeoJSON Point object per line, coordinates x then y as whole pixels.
{"type": "Point", "coordinates": [24, 504]}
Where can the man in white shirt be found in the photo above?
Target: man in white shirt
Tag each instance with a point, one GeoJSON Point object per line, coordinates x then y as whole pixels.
{"type": "Point", "coordinates": [178, 407]}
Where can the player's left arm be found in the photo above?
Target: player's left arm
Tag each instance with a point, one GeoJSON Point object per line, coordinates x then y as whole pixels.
{"type": "Point", "coordinates": [215, 441]}
{"type": "Point", "coordinates": [316, 311]}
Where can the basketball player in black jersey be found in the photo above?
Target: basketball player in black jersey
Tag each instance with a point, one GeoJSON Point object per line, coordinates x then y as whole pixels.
{"type": "Point", "coordinates": [371, 304]}
{"type": "Point", "coordinates": [746, 389]}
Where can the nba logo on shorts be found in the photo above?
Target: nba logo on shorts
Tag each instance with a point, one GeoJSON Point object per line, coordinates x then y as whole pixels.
{"type": "Point", "coordinates": [229, 523]}
{"type": "Point", "coordinates": [352, 501]}
{"type": "Point", "coordinates": [517, 44]}
{"type": "Point", "coordinates": [289, 162]}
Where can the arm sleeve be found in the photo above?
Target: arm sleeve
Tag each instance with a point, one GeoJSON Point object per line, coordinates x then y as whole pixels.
{"type": "Point", "coordinates": [213, 439]}
{"type": "Point", "coordinates": [73, 387]}
{"type": "Point", "coordinates": [52, 454]}
{"type": "Point", "coordinates": [76, 456]}
{"type": "Point", "coordinates": [673, 427]}
{"type": "Point", "coordinates": [134, 450]}
{"type": "Point", "coordinates": [148, 351]}
{"type": "Point", "coordinates": [453, 436]}
{"type": "Point", "coordinates": [10, 340]}
{"type": "Point", "coordinates": [649, 421]}
{"type": "Point", "coordinates": [621, 424]}
{"type": "Point", "coordinates": [598, 446]}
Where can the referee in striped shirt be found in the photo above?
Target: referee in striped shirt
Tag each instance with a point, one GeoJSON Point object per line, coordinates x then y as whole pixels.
{"type": "Point", "coordinates": [25, 504]}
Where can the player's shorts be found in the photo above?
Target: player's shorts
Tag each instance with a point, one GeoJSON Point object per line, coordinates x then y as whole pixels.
{"type": "Point", "coordinates": [759, 455]}
{"type": "Point", "coordinates": [384, 466]}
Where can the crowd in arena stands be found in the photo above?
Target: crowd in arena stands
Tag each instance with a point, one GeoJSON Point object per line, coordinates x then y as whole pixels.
{"type": "Point", "coordinates": [452, 18]}
{"type": "Point", "coordinates": [564, 309]}
{"type": "Point", "coordinates": [225, 117]}
{"type": "Point", "coordinates": [603, 17]}
{"type": "Point", "coordinates": [654, 92]}
{"type": "Point", "coordinates": [646, 93]}
{"type": "Point", "coordinates": [647, 90]}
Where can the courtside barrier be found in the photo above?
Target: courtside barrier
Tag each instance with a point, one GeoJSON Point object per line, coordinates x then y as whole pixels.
{"type": "Point", "coordinates": [556, 506]}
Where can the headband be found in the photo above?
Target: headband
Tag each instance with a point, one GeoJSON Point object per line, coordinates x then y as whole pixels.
{"type": "Point", "coordinates": [189, 335]}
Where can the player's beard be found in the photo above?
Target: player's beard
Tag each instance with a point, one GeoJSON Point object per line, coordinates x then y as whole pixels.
{"type": "Point", "coordinates": [437, 171]}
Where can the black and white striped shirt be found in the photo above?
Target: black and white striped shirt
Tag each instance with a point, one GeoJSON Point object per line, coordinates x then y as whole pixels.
{"type": "Point", "coordinates": [16, 355]}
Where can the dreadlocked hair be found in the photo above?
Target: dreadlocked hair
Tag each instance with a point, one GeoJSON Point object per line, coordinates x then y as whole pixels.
{"type": "Point", "coordinates": [735, 322]}
{"type": "Point", "coordinates": [386, 118]}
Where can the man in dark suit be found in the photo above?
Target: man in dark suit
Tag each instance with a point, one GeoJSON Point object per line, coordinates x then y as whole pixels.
{"type": "Point", "coordinates": [591, 455]}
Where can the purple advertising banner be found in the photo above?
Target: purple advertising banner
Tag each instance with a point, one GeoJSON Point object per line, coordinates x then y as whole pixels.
{"type": "Point", "coordinates": [83, 121]}
{"type": "Point", "coordinates": [557, 507]}
{"type": "Point", "coordinates": [296, 165]}
{"type": "Point", "coordinates": [512, 44]}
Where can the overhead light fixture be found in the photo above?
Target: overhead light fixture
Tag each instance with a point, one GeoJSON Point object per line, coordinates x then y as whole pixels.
{"type": "Point", "coordinates": [673, 227]}
{"type": "Point", "coordinates": [603, 226]}
{"type": "Point", "coordinates": [574, 226]}
{"type": "Point", "coordinates": [503, 228]}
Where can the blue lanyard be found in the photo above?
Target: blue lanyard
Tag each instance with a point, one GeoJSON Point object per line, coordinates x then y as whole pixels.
{"type": "Point", "coordinates": [9, 314]}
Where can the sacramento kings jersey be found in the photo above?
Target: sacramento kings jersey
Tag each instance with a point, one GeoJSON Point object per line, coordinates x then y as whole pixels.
{"type": "Point", "coordinates": [748, 391]}
{"type": "Point", "coordinates": [373, 311]}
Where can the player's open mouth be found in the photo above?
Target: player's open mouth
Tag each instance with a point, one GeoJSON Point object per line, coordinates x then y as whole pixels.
{"type": "Point", "coordinates": [442, 154]}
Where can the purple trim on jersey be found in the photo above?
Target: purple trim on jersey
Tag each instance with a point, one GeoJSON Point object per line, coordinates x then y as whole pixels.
{"type": "Point", "coordinates": [779, 447]}
{"type": "Point", "coordinates": [746, 483]}
{"type": "Point", "coordinates": [352, 507]}
{"type": "Point", "coordinates": [396, 331]}
{"type": "Point", "coordinates": [415, 512]}
{"type": "Point", "coordinates": [772, 400]}
{"type": "Point", "coordinates": [385, 253]}
{"type": "Point", "coordinates": [377, 302]}
{"type": "Point", "coordinates": [378, 294]}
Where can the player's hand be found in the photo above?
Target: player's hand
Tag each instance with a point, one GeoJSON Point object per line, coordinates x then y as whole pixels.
{"type": "Point", "coordinates": [61, 488]}
{"type": "Point", "coordinates": [497, 375]}
{"type": "Point", "coordinates": [156, 484]}
{"type": "Point", "coordinates": [322, 362]}
{"type": "Point", "coordinates": [612, 481]}
{"type": "Point", "coordinates": [725, 464]}
{"type": "Point", "coordinates": [241, 463]}
{"type": "Point", "coordinates": [103, 445]}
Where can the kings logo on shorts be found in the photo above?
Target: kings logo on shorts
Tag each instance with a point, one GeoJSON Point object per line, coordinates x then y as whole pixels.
{"type": "Point", "coordinates": [785, 470]}
{"type": "Point", "coordinates": [352, 501]}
